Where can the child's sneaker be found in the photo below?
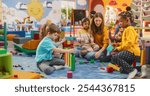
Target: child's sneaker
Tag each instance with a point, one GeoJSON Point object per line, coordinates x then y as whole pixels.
{"type": "Point", "coordinates": [49, 70]}
{"type": "Point", "coordinates": [132, 74]}
{"type": "Point", "coordinates": [46, 69]}
{"type": "Point", "coordinates": [143, 71]}
{"type": "Point", "coordinates": [59, 67]}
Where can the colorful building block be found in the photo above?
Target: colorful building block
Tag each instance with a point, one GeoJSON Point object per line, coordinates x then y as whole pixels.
{"type": "Point", "coordinates": [69, 74]}
{"type": "Point", "coordinates": [70, 61]}
{"type": "Point", "coordinates": [92, 61]}
{"type": "Point", "coordinates": [143, 57]}
{"type": "Point", "coordinates": [114, 67]}
{"type": "Point", "coordinates": [36, 36]}
{"type": "Point", "coordinates": [134, 64]}
{"type": "Point", "coordinates": [110, 69]}
{"type": "Point", "coordinates": [17, 74]}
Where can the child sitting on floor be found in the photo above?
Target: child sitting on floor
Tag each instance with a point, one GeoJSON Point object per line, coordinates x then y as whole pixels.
{"type": "Point", "coordinates": [85, 39]}
{"type": "Point", "coordinates": [88, 48]}
{"type": "Point", "coordinates": [128, 49]}
{"type": "Point", "coordinates": [44, 53]}
{"type": "Point", "coordinates": [58, 43]}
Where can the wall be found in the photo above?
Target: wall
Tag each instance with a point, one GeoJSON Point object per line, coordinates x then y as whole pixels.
{"type": "Point", "coordinates": [41, 11]}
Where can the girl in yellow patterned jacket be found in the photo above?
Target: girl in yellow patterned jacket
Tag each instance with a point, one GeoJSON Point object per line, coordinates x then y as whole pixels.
{"type": "Point", "coordinates": [128, 49]}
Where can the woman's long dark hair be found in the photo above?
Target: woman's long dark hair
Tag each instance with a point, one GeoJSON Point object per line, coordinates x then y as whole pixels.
{"type": "Point", "coordinates": [96, 29]}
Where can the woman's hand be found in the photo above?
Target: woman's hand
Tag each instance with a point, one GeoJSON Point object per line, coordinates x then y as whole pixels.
{"type": "Point", "coordinates": [115, 49]}
{"type": "Point", "coordinates": [97, 54]}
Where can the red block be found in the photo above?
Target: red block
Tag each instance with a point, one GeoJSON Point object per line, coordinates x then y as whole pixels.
{"type": "Point", "coordinates": [69, 74]}
{"type": "Point", "coordinates": [134, 64]}
{"type": "Point", "coordinates": [16, 76]}
{"type": "Point", "coordinates": [68, 44]}
{"type": "Point", "coordinates": [110, 69]}
{"type": "Point", "coordinates": [36, 37]}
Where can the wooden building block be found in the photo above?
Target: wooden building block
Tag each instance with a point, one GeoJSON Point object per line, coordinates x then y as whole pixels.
{"type": "Point", "coordinates": [69, 74]}
{"type": "Point", "coordinates": [114, 67]}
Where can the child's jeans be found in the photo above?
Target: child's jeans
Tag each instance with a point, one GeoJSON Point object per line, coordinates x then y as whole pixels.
{"type": "Point", "coordinates": [89, 55]}
{"type": "Point", "coordinates": [46, 66]}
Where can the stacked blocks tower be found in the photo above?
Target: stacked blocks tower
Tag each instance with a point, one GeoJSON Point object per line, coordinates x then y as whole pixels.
{"type": "Point", "coordinates": [5, 64]}
{"type": "Point", "coordinates": [21, 40]}
{"type": "Point", "coordinates": [3, 36]}
{"type": "Point", "coordinates": [70, 60]}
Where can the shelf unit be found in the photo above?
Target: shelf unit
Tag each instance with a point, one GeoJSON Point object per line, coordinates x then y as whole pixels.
{"type": "Point", "coordinates": [141, 11]}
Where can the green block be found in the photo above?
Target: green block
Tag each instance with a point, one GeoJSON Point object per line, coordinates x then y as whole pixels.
{"type": "Point", "coordinates": [92, 61]}
{"type": "Point", "coordinates": [81, 62]}
{"type": "Point", "coordinates": [73, 62]}
{"type": "Point", "coordinates": [3, 51]}
{"type": "Point", "coordinates": [6, 65]}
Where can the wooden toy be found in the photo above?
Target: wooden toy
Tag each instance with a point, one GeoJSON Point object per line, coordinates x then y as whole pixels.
{"type": "Point", "coordinates": [69, 74]}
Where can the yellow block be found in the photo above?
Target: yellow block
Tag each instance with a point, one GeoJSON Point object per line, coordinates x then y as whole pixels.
{"type": "Point", "coordinates": [114, 67]}
{"type": "Point", "coordinates": [143, 55]}
{"type": "Point", "coordinates": [25, 75]}
{"type": "Point", "coordinates": [31, 45]}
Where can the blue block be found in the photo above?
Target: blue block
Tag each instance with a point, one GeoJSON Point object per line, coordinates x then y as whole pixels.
{"type": "Point", "coordinates": [70, 38]}
{"type": "Point", "coordinates": [20, 33]}
{"type": "Point", "coordinates": [66, 29]}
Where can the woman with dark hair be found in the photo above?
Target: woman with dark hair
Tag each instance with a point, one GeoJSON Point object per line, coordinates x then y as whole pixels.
{"type": "Point", "coordinates": [100, 36]}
